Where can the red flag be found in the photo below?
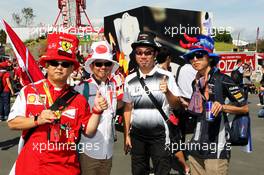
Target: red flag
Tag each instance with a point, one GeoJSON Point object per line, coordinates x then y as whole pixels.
{"type": "Point", "coordinates": [25, 60]}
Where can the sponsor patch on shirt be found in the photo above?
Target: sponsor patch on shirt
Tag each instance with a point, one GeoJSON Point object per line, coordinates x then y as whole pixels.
{"type": "Point", "coordinates": [70, 113]}
{"type": "Point", "coordinates": [232, 88]}
{"type": "Point", "coordinates": [238, 95]}
{"type": "Point", "coordinates": [35, 100]}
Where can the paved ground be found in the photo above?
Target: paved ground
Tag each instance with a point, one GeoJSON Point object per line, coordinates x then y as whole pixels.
{"type": "Point", "coordinates": [241, 163]}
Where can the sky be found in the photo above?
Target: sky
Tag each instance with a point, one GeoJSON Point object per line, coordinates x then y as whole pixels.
{"type": "Point", "coordinates": [243, 16]}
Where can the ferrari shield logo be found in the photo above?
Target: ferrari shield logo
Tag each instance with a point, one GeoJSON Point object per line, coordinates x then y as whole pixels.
{"type": "Point", "coordinates": [66, 46]}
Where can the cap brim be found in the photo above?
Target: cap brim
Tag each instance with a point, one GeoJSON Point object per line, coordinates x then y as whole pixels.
{"type": "Point", "coordinates": [211, 55]}
{"type": "Point", "coordinates": [45, 58]}
{"type": "Point", "coordinates": [136, 44]}
{"type": "Point", "coordinates": [91, 60]}
{"type": "Point", "coordinates": [191, 52]}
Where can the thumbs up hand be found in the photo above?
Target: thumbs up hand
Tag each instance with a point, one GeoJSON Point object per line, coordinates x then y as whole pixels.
{"type": "Point", "coordinates": [100, 102]}
{"type": "Point", "coordinates": [164, 84]}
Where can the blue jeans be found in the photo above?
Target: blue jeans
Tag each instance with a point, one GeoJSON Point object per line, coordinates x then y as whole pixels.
{"type": "Point", "coordinates": [4, 105]}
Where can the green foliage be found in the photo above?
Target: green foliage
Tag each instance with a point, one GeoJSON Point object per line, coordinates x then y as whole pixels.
{"type": "Point", "coordinates": [25, 18]}
{"type": "Point", "coordinates": [221, 46]}
{"type": "Point", "coordinates": [223, 36]}
{"type": "Point", "coordinates": [28, 15]}
{"type": "Point", "coordinates": [261, 45]}
{"type": "Point", "coordinates": [17, 19]}
{"type": "Point", "coordinates": [2, 37]}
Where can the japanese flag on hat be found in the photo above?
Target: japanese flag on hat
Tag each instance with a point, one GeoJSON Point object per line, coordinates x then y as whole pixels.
{"type": "Point", "coordinates": [100, 51]}
{"type": "Point", "coordinates": [61, 46]}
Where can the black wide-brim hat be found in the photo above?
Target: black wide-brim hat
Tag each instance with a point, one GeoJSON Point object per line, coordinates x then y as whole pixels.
{"type": "Point", "coordinates": [146, 39]}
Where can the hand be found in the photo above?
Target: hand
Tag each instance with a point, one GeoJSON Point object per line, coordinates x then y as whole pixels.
{"type": "Point", "coordinates": [128, 145]}
{"type": "Point", "coordinates": [46, 116]}
{"type": "Point", "coordinates": [184, 103]}
{"type": "Point", "coordinates": [216, 108]}
{"type": "Point", "coordinates": [164, 84]}
{"type": "Point", "coordinates": [100, 102]}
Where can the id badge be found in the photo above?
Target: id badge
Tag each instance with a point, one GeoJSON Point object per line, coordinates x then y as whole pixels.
{"type": "Point", "coordinates": [54, 133]}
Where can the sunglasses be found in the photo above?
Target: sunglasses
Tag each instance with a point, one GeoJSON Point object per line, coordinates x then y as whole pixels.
{"type": "Point", "coordinates": [63, 64]}
{"type": "Point", "coordinates": [106, 64]}
{"type": "Point", "coordinates": [197, 55]}
{"type": "Point", "coordinates": [146, 53]}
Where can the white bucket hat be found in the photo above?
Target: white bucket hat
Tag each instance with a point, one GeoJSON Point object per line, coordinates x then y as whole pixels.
{"type": "Point", "coordinates": [100, 51]}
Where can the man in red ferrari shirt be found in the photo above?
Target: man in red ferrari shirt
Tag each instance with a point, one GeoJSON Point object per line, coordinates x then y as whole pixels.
{"type": "Point", "coordinates": [5, 94]}
{"type": "Point", "coordinates": [51, 148]}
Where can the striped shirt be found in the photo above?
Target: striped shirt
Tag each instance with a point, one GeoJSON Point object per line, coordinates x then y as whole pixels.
{"type": "Point", "coordinates": [145, 117]}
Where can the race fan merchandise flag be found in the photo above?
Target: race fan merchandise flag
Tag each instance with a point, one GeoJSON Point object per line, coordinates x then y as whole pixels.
{"type": "Point", "coordinates": [25, 60]}
{"type": "Point", "coordinates": [122, 61]}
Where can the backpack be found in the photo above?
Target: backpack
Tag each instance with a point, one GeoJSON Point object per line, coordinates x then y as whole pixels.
{"type": "Point", "coordinates": [237, 76]}
{"type": "Point", "coordinates": [238, 131]}
{"type": "Point", "coordinates": [187, 124]}
{"type": "Point", "coordinates": [261, 113]}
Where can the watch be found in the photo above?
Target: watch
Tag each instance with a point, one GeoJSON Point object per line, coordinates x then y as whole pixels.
{"type": "Point", "coordinates": [36, 120]}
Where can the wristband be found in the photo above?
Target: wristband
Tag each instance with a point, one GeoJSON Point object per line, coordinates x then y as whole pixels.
{"type": "Point", "coordinates": [95, 111]}
{"type": "Point", "coordinates": [36, 120]}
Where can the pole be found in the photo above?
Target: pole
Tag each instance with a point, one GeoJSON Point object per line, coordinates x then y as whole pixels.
{"type": "Point", "coordinates": [238, 35]}
{"type": "Point", "coordinates": [257, 37]}
{"type": "Point", "coordinates": [32, 82]}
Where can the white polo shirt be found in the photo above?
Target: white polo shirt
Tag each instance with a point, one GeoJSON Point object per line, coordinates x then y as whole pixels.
{"type": "Point", "coordinates": [100, 146]}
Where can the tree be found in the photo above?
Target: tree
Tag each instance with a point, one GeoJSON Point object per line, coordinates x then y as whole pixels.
{"type": "Point", "coordinates": [223, 37]}
{"type": "Point", "coordinates": [261, 45]}
{"type": "Point", "coordinates": [25, 18]}
{"type": "Point", "coordinates": [17, 19]}
{"type": "Point", "coordinates": [28, 15]}
{"type": "Point", "coordinates": [2, 37]}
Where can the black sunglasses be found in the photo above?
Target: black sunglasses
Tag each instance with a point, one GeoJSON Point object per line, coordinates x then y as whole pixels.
{"type": "Point", "coordinates": [198, 55]}
{"type": "Point", "coordinates": [106, 64]}
{"type": "Point", "coordinates": [146, 53]}
{"type": "Point", "coordinates": [63, 64]}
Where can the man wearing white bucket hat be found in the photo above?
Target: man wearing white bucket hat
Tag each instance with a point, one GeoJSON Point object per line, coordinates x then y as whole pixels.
{"type": "Point", "coordinates": [97, 158]}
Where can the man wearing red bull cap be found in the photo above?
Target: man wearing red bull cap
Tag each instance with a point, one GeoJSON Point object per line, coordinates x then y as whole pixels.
{"type": "Point", "coordinates": [209, 148]}
{"type": "Point", "coordinates": [50, 148]}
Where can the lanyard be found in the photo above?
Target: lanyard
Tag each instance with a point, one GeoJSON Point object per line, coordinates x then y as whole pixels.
{"type": "Point", "coordinates": [47, 91]}
{"type": "Point", "coordinates": [202, 89]}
